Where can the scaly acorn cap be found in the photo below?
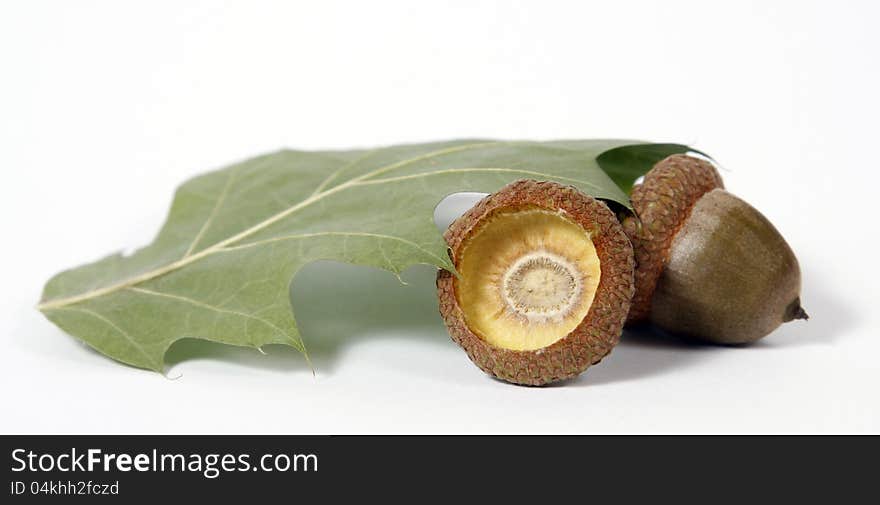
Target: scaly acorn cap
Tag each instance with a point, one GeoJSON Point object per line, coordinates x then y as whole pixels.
{"type": "Point", "coordinates": [594, 335]}
{"type": "Point", "coordinates": [663, 202]}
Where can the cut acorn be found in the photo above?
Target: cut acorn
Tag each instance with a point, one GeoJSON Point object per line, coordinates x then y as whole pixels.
{"type": "Point", "coordinates": [545, 279]}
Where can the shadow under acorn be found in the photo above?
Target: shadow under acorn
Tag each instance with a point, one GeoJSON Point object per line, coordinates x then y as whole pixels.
{"type": "Point", "coordinates": [646, 351]}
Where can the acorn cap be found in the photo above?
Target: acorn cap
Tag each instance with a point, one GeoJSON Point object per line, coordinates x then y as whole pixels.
{"type": "Point", "coordinates": [663, 202]}
{"type": "Point", "coordinates": [595, 335]}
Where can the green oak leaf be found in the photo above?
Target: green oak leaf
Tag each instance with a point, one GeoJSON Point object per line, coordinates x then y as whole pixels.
{"type": "Point", "coordinates": [221, 266]}
{"type": "Point", "coordinates": [627, 163]}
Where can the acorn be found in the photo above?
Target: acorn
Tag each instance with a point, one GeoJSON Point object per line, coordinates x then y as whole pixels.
{"type": "Point", "coordinates": [543, 282]}
{"type": "Point", "coordinates": [708, 264]}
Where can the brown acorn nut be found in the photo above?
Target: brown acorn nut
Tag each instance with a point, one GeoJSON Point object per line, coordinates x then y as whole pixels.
{"type": "Point", "coordinates": [544, 286]}
{"type": "Point", "coordinates": [710, 265]}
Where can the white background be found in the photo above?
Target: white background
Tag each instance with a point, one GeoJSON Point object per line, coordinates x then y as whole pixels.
{"type": "Point", "coordinates": [105, 107]}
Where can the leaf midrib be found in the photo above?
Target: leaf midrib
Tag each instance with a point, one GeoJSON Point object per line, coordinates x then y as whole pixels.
{"type": "Point", "coordinates": [222, 245]}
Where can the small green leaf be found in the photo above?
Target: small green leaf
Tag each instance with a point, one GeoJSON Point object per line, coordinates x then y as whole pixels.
{"type": "Point", "coordinates": [627, 163]}
{"type": "Point", "coordinates": [221, 265]}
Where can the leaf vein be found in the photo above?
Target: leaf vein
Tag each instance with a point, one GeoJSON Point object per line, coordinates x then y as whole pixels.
{"type": "Point", "coordinates": [428, 155]}
{"type": "Point", "coordinates": [345, 234]}
{"type": "Point", "coordinates": [474, 169]}
{"type": "Point", "coordinates": [119, 330]}
{"type": "Point", "coordinates": [208, 306]}
{"type": "Point", "coordinates": [214, 211]}
{"type": "Point", "coordinates": [343, 168]}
